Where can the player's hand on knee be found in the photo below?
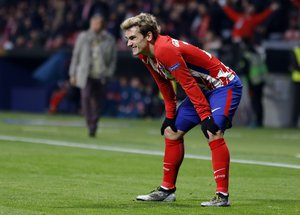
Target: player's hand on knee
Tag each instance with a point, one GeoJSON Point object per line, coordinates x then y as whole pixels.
{"type": "Point", "coordinates": [171, 135]}
{"type": "Point", "coordinates": [212, 137]}
{"type": "Point", "coordinates": [168, 122]}
{"type": "Point", "coordinates": [209, 125]}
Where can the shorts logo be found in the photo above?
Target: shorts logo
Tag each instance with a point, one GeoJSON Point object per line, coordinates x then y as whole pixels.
{"type": "Point", "coordinates": [215, 109]}
{"type": "Point", "coordinates": [174, 67]}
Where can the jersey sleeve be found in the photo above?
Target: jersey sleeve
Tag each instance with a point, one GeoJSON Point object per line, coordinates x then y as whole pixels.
{"type": "Point", "coordinates": [167, 90]}
{"type": "Point", "coordinates": [172, 59]}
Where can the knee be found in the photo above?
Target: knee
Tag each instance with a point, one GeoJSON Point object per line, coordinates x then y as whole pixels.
{"type": "Point", "coordinates": [216, 136]}
{"type": "Point", "coordinates": [171, 135]}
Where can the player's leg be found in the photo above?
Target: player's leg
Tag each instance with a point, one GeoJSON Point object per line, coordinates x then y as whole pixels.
{"type": "Point", "coordinates": [186, 119]}
{"type": "Point", "coordinates": [173, 156]}
{"type": "Point", "coordinates": [224, 103]}
{"type": "Point", "coordinates": [174, 153]}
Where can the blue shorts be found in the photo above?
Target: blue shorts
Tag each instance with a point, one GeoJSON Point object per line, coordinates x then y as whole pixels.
{"type": "Point", "coordinates": [223, 102]}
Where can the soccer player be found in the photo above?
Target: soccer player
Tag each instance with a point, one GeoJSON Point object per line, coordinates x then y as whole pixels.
{"type": "Point", "coordinates": [213, 94]}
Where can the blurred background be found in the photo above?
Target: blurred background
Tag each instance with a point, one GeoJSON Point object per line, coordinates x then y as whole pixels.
{"type": "Point", "coordinates": [37, 38]}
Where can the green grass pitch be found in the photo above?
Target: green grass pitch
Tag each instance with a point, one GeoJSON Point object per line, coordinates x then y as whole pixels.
{"type": "Point", "coordinates": [48, 165]}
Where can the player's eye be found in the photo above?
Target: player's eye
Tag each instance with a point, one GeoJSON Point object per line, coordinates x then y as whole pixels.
{"type": "Point", "coordinates": [131, 38]}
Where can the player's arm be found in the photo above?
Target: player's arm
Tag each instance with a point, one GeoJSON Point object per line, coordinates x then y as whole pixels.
{"type": "Point", "coordinates": [167, 90]}
{"type": "Point", "coordinates": [172, 59]}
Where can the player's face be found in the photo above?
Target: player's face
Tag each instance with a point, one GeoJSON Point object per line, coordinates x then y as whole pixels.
{"type": "Point", "coordinates": [136, 41]}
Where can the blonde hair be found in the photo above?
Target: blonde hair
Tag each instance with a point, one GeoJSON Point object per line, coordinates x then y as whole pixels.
{"type": "Point", "coordinates": [145, 21]}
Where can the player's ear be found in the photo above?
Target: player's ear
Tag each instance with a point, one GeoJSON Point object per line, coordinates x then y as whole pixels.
{"type": "Point", "coordinates": [149, 36]}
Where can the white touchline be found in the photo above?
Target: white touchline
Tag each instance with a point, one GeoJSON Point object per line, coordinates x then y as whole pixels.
{"type": "Point", "coordinates": [132, 151]}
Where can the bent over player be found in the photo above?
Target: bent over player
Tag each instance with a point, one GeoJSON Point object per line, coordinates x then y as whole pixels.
{"type": "Point", "coordinates": [213, 94]}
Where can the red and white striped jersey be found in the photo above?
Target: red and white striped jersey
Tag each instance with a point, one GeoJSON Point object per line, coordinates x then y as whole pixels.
{"type": "Point", "coordinates": [193, 68]}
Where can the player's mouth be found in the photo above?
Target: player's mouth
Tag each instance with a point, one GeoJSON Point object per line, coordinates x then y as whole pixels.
{"type": "Point", "coordinates": [134, 49]}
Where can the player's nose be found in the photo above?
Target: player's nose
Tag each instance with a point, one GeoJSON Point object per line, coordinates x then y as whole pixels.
{"type": "Point", "coordinates": [129, 43]}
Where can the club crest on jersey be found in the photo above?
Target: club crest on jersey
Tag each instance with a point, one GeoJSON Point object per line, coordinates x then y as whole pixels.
{"type": "Point", "coordinates": [175, 42]}
{"type": "Point", "coordinates": [160, 69]}
{"type": "Point", "coordinates": [174, 67]}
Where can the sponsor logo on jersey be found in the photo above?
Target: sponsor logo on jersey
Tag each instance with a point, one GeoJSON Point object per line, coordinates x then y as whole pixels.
{"type": "Point", "coordinates": [174, 67]}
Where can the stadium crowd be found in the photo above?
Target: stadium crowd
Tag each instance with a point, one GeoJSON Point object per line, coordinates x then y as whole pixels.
{"type": "Point", "coordinates": [55, 24]}
{"type": "Point", "coordinates": [123, 97]}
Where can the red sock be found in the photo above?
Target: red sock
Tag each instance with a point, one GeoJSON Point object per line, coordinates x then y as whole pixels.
{"type": "Point", "coordinates": [174, 153]}
{"type": "Point", "coordinates": [220, 162]}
